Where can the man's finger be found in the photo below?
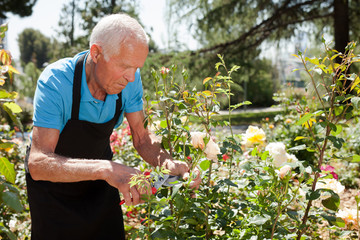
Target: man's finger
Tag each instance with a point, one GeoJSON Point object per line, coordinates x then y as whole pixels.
{"type": "Point", "coordinates": [195, 183]}
{"type": "Point", "coordinates": [127, 198]}
{"type": "Point", "coordinates": [135, 195]}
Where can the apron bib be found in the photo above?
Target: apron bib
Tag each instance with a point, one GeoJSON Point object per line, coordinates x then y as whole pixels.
{"type": "Point", "coordinates": [86, 210]}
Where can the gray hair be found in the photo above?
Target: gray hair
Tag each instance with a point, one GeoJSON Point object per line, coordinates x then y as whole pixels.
{"type": "Point", "coordinates": [113, 30]}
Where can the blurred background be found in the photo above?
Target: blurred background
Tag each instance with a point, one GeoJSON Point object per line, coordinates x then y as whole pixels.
{"type": "Point", "coordinates": [258, 35]}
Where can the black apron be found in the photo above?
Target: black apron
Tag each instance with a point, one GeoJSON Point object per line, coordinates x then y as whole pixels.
{"type": "Point", "coordinates": [83, 210]}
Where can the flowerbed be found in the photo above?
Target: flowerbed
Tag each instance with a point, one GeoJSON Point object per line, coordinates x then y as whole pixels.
{"type": "Point", "coordinates": [275, 181]}
{"type": "Point", "coordinates": [292, 178]}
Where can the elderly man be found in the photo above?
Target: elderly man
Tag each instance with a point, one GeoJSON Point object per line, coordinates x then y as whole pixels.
{"type": "Point", "coordinates": [73, 186]}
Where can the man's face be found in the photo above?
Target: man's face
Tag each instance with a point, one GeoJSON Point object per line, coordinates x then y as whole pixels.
{"type": "Point", "coordinates": [113, 75]}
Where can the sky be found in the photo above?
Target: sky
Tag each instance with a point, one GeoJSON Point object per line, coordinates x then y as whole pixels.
{"type": "Point", "coordinates": [45, 18]}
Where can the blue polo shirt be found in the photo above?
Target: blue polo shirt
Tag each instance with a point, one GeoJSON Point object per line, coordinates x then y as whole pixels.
{"type": "Point", "coordinates": [53, 97]}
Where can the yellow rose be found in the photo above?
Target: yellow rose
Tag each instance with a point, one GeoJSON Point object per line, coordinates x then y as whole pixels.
{"type": "Point", "coordinates": [253, 135]}
{"type": "Point", "coordinates": [288, 121]}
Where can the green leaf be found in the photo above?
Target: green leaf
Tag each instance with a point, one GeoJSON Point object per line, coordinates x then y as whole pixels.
{"type": "Point", "coordinates": [13, 107]}
{"type": "Point", "coordinates": [355, 158]}
{"type": "Point", "coordinates": [13, 117]}
{"type": "Point", "coordinates": [179, 202]}
{"type": "Point", "coordinates": [230, 183]}
{"type": "Point", "coordinates": [313, 195]}
{"type": "Point", "coordinates": [10, 234]}
{"type": "Point", "coordinates": [175, 190]}
{"type": "Point", "coordinates": [12, 200]}
{"type": "Point", "coordinates": [233, 107]}
{"type": "Point", "coordinates": [4, 94]}
{"type": "Point", "coordinates": [304, 119]}
{"type": "Point", "coordinates": [338, 110]}
{"type": "Point", "coordinates": [254, 152]}
{"type": "Point", "coordinates": [337, 221]}
{"type": "Point", "coordinates": [191, 221]}
{"type": "Point", "coordinates": [332, 202]}
{"type": "Point", "coordinates": [314, 60]}
{"type": "Point", "coordinates": [5, 145]}
{"type": "Point", "coordinates": [336, 141]}
{"type": "Point", "coordinates": [163, 124]}
{"type": "Point", "coordinates": [204, 165]}
{"type": "Point", "coordinates": [337, 131]}
{"type": "Point", "coordinates": [265, 155]}
{"type": "Point", "coordinates": [355, 83]}
{"type": "Point", "coordinates": [7, 169]}
{"type": "Point", "coordinates": [299, 138]}
{"type": "Point", "coordinates": [159, 233]}
{"type": "Point", "coordinates": [258, 220]}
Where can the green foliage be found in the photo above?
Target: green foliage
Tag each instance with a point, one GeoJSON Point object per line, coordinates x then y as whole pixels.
{"type": "Point", "coordinates": [260, 185]}
{"type": "Point", "coordinates": [26, 83]}
{"type": "Point", "coordinates": [10, 201]}
{"type": "Point", "coordinates": [254, 82]}
{"type": "Point", "coordinates": [34, 47]}
{"type": "Point", "coordinates": [22, 8]}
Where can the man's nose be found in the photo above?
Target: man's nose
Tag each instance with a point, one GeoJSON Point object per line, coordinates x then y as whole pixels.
{"type": "Point", "coordinates": [130, 75]}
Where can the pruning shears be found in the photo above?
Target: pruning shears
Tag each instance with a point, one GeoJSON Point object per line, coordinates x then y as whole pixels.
{"type": "Point", "coordinates": [164, 180]}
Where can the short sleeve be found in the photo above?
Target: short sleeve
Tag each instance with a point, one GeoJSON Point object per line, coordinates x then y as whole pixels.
{"type": "Point", "coordinates": [50, 99]}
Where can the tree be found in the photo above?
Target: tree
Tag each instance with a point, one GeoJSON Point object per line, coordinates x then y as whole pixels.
{"type": "Point", "coordinates": [23, 8]}
{"type": "Point", "coordinates": [237, 28]}
{"type": "Point", "coordinates": [26, 83]}
{"type": "Point", "coordinates": [93, 10]}
{"type": "Point", "coordinates": [34, 47]}
{"type": "Point", "coordinates": [69, 15]}
{"type": "Point", "coordinates": [87, 13]}
{"type": "Point", "coordinates": [67, 22]}
{"type": "Point", "coordinates": [223, 26]}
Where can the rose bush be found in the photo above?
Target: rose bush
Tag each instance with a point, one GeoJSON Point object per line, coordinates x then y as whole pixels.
{"type": "Point", "coordinates": [13, 221]}
{"type": "Point", "coordinates": [261, 184]}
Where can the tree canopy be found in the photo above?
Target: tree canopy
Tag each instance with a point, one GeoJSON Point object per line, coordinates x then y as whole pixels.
{"type": "Point", "coordinates": [34, 47]}
{"type": "Point", "coordinates": [233, 26]}
{"type": "Point", "coordinates": [23, 8]}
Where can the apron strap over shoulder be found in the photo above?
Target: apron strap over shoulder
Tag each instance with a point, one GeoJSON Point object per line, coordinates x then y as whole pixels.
{"type": "Point", "coordinates": [77, 88]}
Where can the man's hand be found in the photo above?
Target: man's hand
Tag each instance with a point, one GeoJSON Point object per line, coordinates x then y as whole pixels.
{"type": "Point", "coordinates": [120, 177]}
{"type": "Point", "coordinates": [178, 168]}
{"type": "Point", "coordinates": [149, 148]}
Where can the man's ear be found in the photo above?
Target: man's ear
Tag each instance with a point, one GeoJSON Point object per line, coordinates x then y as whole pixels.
{"type": "Point", "coordinates": [95, 52]}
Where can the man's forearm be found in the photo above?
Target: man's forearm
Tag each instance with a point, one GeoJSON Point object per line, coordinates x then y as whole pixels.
{"type": "Point", "coordinates": [56, 168]}
{"type": "Point", "coordinates": [151, 151]}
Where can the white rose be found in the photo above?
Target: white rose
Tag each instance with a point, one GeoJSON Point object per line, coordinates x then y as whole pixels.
{"type": "Point", "coordinates": [276, 148]}
{"type": "Point", "coordinates": [279, 160]}
{"type": "Point", "coordinates": [278, 153]}
{"type": "Point", "coordinates": [197, 139]}
{"type": "Point", "coordinates": [155, 126]}
{"type": "Point", "coordinates": [212, 150]}
{"type": "Point", "coordinates": [331, 184]}
{"type": "Point", "coordinates": [291, 158]}
{"type": "Point", "coordinates": [302, 194]}
{"type": "Point", "coordinates": [349, 216]}
{"type": "Point", "coordinates": [284, 171]}
{"type": "Point", "coordinates": [12, 225]}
